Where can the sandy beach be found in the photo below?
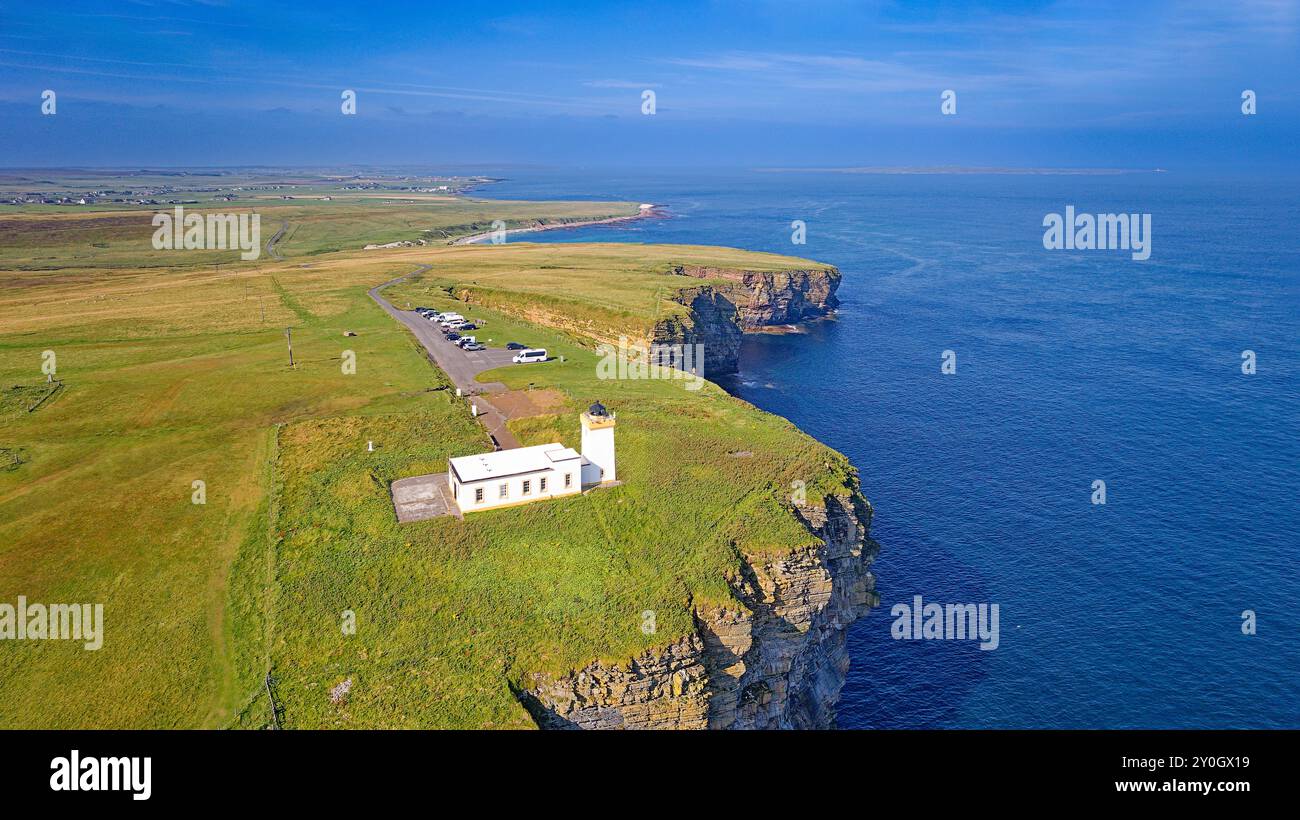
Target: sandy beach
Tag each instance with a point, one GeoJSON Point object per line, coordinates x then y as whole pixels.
{"type": "Point", "coordinates": [480, 237]}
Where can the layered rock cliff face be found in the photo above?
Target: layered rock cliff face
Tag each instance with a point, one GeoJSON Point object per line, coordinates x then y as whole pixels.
{"type": "Point", "coordinates": [712, 323]}
{"type": "Point", "coordinates": [765, 298]}
{"type": "Point", "coordinates": [774, 659]}
{"type": "Point", "coordinates": [744, 301]}
{"type": "Point", "coordinates": [659, 690]}
{"type": "Point", "coordinates": [734, 302]}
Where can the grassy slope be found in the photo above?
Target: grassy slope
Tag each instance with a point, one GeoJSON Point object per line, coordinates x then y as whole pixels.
{"type": "Point", "coordinates": [173, 376]}
{"type": "Point", "coordinates": [102, 510]}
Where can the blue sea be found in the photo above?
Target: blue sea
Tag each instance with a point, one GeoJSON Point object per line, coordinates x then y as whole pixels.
{"type": "Point", "coordinates": [1071, 367]}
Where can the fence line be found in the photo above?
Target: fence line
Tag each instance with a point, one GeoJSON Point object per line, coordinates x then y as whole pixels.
{"type": "Point", "coordinates": [58, 385]}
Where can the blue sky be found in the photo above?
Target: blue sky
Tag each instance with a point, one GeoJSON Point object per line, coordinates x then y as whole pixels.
{"type": "Point", "coordinates": [737, 84]}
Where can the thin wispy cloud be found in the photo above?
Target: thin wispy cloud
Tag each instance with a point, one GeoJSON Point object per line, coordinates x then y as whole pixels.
{"type": "Point", "coordinates": [563, 79]}
{"type": "Point", "coordinates": [624, 84]}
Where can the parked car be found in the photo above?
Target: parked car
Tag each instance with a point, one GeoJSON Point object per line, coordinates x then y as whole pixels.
{"type": "Point", "coordinates": [463, 326]}
{"type": "Point", "coordinates": [474, 346]}
{"type": "Point", "coordinates": [515, 346]}
{"type": "Point", "coordinates": [465, 340]}
{"type": "Point", "coordinates": [451, 337]}
{"type": "Point", "coordinates": [532, 354]}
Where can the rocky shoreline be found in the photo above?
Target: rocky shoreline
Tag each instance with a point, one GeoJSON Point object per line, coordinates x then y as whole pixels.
{"type": "Point", "coordinates": [645, 213]}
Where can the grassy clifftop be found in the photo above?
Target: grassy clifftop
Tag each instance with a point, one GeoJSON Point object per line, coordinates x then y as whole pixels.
{"type": "Point", "coordinates": [452, 614]}
{"type": "Point", "coordinates": [179, 374]}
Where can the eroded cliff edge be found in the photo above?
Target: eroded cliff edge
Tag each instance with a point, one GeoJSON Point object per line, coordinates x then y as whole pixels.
{"type": "Point", "coordinates": [765, 298]}
{"type": "Point", "coordinates": [738, 301]}
{"type": "Point", "coordinates": [773, 658]}
{"type": "Point", "coordinates": [715, 314]}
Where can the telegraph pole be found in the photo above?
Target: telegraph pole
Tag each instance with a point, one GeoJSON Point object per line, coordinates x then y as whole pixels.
{"type": "Point", "coordinates": [288, 334]}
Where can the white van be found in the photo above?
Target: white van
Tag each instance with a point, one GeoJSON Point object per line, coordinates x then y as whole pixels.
{"type": "Point", "coordinates": [532, 354]}
{"type": "Point", "coordinates": [451, 319]}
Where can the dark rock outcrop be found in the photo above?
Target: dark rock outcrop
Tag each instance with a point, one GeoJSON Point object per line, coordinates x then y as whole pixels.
{"type": "Point", "coordinates": [711, 323]}
{"type": "Point", "coordinates": [780, 661]}
{"type": "Point", "coordinates": [740, 301]}
{"type": "Point", "coordinates": [659, 690]}
{"type": "Point", "coordinates": [766, 298]}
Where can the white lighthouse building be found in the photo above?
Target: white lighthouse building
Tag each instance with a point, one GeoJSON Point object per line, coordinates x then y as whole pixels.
{"type": "Point", "coordinates": [598, 446]}
{"type": "Point", "coordinates": [508, 477]}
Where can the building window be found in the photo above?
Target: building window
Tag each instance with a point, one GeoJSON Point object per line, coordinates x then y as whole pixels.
{"type": "Point", "coordinates": [478, 495]}
{"type": "Point", "coordinates": [528, 487]}
{"type": "Point", "coordinates": [568, 480]}
{"type": "Point", "coordinates": [455, 491]}
{"type": "Point", "coordinates": [541, 485]}
{"type": "Point", "coordinates": [504, 490]}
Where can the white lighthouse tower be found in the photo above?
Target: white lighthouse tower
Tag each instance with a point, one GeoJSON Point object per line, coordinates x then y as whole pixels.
{"type": "Point", "coordinates": [597, 446]}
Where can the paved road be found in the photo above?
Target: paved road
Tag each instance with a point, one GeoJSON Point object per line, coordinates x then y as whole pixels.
{"type": "Point", "coordinates": [460, 366]}
{"type": "Point", "coordinates": [270, 243]}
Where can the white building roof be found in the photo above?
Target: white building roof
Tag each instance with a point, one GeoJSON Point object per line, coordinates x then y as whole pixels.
{"type": "Point", "coordinates": [512, 462]}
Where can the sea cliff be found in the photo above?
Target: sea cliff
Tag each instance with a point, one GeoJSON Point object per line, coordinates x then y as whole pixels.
{"type": "Point", "coordinates": [773, 659]}
{"type": "Point", "coordinates": [765, 298]}
{"type": "Point", "coordinates": [740, 301]}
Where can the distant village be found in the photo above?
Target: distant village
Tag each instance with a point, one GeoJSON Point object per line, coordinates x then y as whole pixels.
{"type": "Point", "coordinates": [168, 194]}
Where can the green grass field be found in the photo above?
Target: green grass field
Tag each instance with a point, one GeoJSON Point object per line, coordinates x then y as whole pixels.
{"type": "Point", "coordinates": [179, 373]}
